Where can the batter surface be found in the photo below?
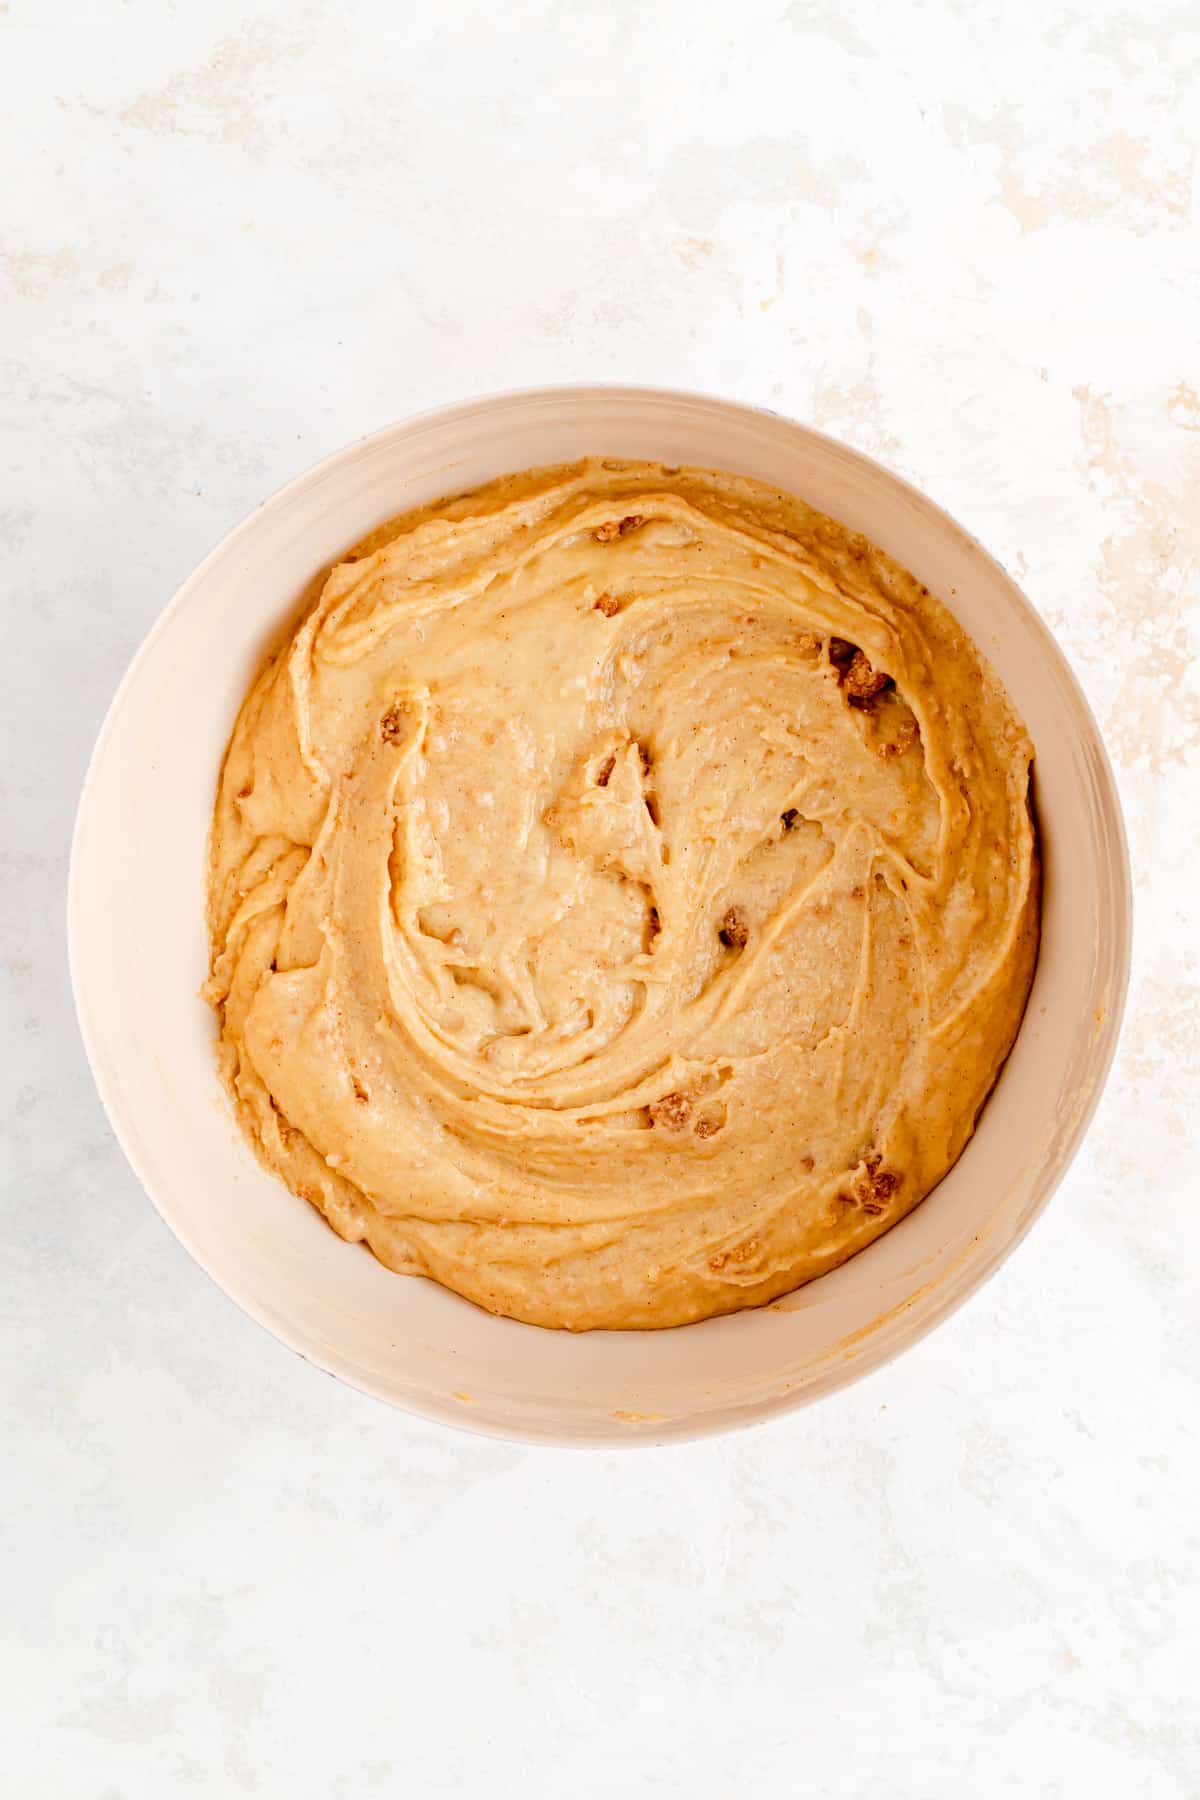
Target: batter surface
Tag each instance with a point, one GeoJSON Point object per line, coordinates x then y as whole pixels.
{"type": "Point", "coordinates": [623, 895]}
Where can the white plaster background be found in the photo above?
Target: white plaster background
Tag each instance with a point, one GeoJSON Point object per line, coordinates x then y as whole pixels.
{"type": "Point", "coordinates": [964, 237]}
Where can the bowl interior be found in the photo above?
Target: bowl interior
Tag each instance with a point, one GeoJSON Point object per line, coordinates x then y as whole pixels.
{"type": "Point", "coordinates": [138, 952]}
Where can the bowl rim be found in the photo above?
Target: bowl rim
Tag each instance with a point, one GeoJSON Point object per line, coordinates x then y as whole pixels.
{"type": "Point", "coordinates": [883, 1345]}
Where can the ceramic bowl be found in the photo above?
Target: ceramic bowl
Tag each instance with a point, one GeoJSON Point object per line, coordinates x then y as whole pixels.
{"type": "Point", "coordinates": [138, 956]}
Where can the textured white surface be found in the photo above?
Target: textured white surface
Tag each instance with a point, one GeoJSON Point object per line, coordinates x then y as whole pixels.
{"type": "Point", "coordinates": [964, 238]}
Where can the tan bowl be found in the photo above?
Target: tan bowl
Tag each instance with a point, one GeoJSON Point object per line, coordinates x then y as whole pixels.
{"type": "Point", "coordinates": [138, 956]}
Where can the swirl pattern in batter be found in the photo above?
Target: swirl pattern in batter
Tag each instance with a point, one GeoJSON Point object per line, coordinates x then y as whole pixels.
{"type": "Point", "coordinates": [624, 894]}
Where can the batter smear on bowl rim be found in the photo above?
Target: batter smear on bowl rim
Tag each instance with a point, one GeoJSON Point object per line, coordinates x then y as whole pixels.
{"type": "Point", "coordinates": [623, 895]}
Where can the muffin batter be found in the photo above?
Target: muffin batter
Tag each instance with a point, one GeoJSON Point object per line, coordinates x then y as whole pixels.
{"type": "Point", "coordinates": [623, 895]}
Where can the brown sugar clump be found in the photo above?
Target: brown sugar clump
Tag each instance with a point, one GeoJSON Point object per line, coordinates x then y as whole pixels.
{"type": "Point", "coordinates": [615, 528]}
{"type": "Point", "coordinates": [858, 679]}
{"type": "Point", "coordinates": [734, 931]}
{"type": "Point", "coordinates": [672, 1112]}
{"type": "Point", "coordinates": [907, 734]}
{"type": "Point", "coordinates": [861, 682]}
{"type": "Point", "coordinates": [609, 605]}
{"type": "Point", "coordinates": [740, 1253]}
{"type": "Point", "coordinates": [875, 1188]}
{"type": "Point", "coordinates": [391, 726]}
